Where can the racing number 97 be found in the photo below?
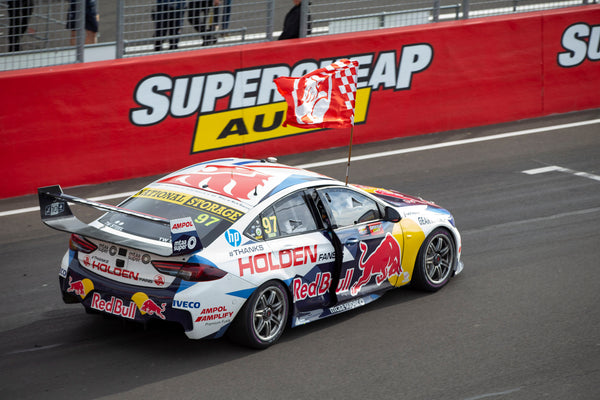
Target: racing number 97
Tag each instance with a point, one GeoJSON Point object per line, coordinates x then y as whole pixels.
{"type": "Point", "coordinates": [270, 225]}
{"type": "Point", "coordinates": [206, 220]}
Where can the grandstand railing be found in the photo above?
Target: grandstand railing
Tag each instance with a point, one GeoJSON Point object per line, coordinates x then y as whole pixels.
{"type": "Point", "coordinates": [34, 33]}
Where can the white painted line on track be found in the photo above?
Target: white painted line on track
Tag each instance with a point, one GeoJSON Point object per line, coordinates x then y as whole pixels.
{"type": "Point", "coordinates": [556, 168]}
{"type": "Point", "coordinates": [51, 346]}
{"type": "Point", "coordinates": [531, 221]}
{"type": "Point", "coordinates": [450, 144]}
{"type": "Point", "coordinates": [483, 396]}
{"type": "Point", "coordinates": [376, 155]}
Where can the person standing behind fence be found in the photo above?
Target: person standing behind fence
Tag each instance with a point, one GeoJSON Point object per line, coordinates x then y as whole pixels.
{"type": "Point", "coordinates": [203, 15]}
{"type": "Point", "coordinates": [291, 24]}
{"type": "Point", "coordinates": [226, 14]}
{"type": "Point", "coordinates": [19, 12]}
{"type": "Point", "coordinates": [168, 19]}
{"type": "Point", "coordinates": [91, 21]}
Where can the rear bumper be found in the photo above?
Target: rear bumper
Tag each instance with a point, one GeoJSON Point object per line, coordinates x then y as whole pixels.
{"type": "Point", "coordinates": [125, 301]}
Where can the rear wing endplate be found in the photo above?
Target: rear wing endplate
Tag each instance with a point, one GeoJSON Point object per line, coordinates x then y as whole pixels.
{"type": "Point", "coordinates": [56, 213]}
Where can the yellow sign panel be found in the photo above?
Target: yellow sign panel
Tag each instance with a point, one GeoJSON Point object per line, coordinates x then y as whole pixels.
{"type": "Point", "coordinates": [255, 124]}
{"type": "Point", "coordinates": [192, 202]}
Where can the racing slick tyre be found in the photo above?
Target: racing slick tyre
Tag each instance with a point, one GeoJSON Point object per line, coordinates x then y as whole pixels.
{"type": "Point", "coordinates": [263, 317]}
{"type": "Point", "coordinates": [435, 261]}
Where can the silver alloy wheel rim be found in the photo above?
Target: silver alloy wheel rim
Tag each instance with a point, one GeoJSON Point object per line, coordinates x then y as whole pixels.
{"type": "Point", "coordinates": [269, 313]}
{"type": "Point", "coordinates": [439, 259]}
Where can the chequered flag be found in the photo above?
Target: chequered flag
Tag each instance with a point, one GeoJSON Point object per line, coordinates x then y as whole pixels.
{"type": "Point", "coordinates": [324, 98]}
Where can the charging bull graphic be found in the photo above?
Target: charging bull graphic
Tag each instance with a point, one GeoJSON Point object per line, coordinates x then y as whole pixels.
{"type": "Point", "coordinates": [383, 263]}
{"type": "Point", "coordinates": [148, 306]}
{"type": "Point", "coordinates": [235, 182]}
{"type": "Point", "coordinates": [81, 288]}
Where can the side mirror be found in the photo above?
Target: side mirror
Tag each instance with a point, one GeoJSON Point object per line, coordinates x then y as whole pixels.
{"type": "Point", "coordinates": [392, 215]}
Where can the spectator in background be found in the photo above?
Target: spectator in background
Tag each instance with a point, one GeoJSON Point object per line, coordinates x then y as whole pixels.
{"type": "Point", "coordinates": [19, 12]}
{"type": "Point", "coordinates": [168, 20]}
{"type": "Point", "coordinates": [91, 19]}
{"type": "Point", "coordinates": [226, 14]}
{"type": "Point", "coordinates": [291, 24]}
{"type": "Point", "coordinates": [203, 15]}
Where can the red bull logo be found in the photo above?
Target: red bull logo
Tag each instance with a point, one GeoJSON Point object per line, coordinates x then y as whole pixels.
{"type": "Point", "coordinates": [113, 306]}
{"type": "Point", "coordinates": [382, 264]}
{"type": "Point", "coordinates": [231, 181]}
{"type": "Point", "coordinates": [148, 306]}
{"type": "Point", "coordinates": [80, 288]}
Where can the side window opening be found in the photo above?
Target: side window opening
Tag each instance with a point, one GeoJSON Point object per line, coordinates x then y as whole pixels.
{"type": "Point", "coordinates": [294, 216]}
{"type": "Point", "coordinates": [350, 208]}
{"type": "Point", "coordinates": [289, 216]}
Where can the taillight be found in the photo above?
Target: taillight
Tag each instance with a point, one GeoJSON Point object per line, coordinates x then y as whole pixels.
{"type": "Point", "coordinates": [189, 271]}
{"type": "Point", "coordinates": [79, 243]}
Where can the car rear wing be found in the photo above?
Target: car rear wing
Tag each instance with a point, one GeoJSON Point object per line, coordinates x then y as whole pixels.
{"type": "Point", "coordinates": [56, 213]}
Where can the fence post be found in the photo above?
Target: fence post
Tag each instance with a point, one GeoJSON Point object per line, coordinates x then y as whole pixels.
{"type": "Point", "coordinates": [120, 29]}
{"type": "Point", "coordinates": [270, 19]}
{"type": "Point", "coordinates": [79, 30]}
{"type": "Point", "coordinates": [303, 18]}
{"type": "Point", "coordinates": [466, 9]}
{"type": "Point", "coordinates": [436, 10]}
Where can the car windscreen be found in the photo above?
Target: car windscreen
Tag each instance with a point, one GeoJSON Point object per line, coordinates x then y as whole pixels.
{"type": "Point", "coordinates": [210, 218]}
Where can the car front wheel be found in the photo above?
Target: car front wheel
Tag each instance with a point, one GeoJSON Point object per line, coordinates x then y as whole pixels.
{"type": "Point", "coordinates": [435, 261]}
{"type": "Point", "coordinates": [263, 318]}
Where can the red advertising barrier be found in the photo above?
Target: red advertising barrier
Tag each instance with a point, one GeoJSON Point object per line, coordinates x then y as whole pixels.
{"type": "Point", "coordinates": [103, 121]}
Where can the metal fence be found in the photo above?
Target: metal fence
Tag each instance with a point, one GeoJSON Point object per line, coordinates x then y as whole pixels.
{"type": "Point", "coordinates": [36, 33]}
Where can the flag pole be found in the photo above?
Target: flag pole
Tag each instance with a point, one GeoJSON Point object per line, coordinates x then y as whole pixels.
{"type": "Point", "coordinates": [349, 154]}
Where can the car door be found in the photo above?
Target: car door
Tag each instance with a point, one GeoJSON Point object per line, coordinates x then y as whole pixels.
{"type": "Point", "coordinates": [369, 246]}
{"type": "Point", "coordinates": [302, 252]}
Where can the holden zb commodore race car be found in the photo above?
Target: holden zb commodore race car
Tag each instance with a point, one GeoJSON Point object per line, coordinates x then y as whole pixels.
{"type": "Point", "coordinates": [247, 247]}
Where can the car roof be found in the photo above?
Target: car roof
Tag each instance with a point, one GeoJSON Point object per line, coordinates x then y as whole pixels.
{"type": "Point", "coordinates": [244, 181]}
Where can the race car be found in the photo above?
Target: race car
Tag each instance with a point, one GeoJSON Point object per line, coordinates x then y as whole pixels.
{"type": "Point", "coordinates": [244, 248]}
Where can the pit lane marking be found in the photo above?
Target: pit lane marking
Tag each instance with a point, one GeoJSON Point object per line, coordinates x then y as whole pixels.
{"type": "Point", "coordinates": [556, 168]}
{"type": "Point", "coordinates": [377, 155]}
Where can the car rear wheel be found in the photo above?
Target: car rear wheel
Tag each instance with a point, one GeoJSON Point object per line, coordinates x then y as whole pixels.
{"type": "Point", "coordinates": [263, 318]}
{"type": "Point", "coordinates": [435, 261]}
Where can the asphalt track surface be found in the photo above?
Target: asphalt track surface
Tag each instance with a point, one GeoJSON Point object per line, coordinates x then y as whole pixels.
{"type": "Point", "coordinates": [521, 322]}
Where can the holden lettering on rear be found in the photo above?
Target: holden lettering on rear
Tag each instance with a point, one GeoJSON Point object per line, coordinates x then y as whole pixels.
{"type": "Point", "coordinates": [123, 273]}
{"type": "Point", "coordinates": [264, 262]}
